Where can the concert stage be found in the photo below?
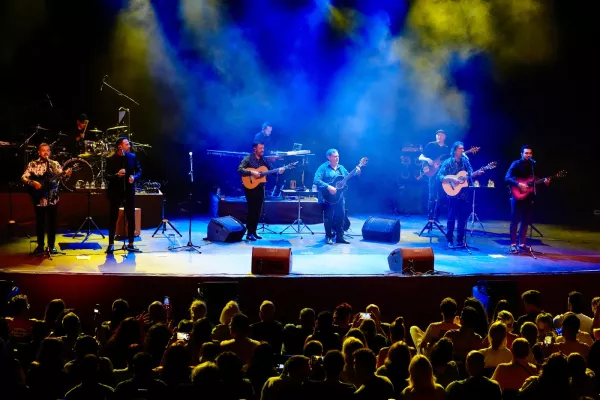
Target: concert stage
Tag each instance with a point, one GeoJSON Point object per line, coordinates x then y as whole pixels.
{"type": "Point", "coordinates": [322, 274]}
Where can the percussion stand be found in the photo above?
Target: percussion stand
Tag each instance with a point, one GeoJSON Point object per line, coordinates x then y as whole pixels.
{"type": "Point", "coordinates": [89, 220]}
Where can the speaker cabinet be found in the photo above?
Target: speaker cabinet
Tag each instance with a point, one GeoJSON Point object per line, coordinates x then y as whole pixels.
{"type": "Point", "coordinates": [225, 229]}
{"type": "Point", "coordinates": [271, 261]}
{"type": "Point", "coordinates": [381, 230]}
{"type": "Point", "coordinates": [413, 261]}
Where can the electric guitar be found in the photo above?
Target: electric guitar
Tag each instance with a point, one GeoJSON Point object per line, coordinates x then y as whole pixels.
{"type": "Point", "coordinates": [431, 170]}
{"type": "Point", "coordinates": [48, 188]}
{"type": "Point", "coordinates": [520, 194]}
{"type": "Point", "coordinates": [250, 182]}
{"type": "Point", "coordinates": [452, 189]}
{"type": "Point", "coordinates": [339, 182]}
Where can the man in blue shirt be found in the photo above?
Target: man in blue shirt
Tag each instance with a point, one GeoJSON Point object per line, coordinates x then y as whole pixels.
{"type": "Point", "coordinates": [333, 214]}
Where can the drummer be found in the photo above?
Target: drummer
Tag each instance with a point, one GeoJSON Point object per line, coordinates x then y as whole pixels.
{"type": "Point", "coordinates": [78, 144]}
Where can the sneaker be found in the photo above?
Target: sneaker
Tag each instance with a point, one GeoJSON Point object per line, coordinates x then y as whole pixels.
{"type": "Point", "coordinates": [132, 249]}
{"type": "Point", "coordinates": [52, 250]}
{"type": "Point", "coordinates": [251, 237]}
{"type": "Point", "coordinates": [513, 249]}
{"type": "Point", "coordinates": [256, 236]}
{"type": "Point", "coordinates": [341, 240]}
{"type": "Point", "coordinates": [523, 247]}
{"type": "Point", "coordinates": [460, 244]}
{"type": "Point", "coordinates": [329, 240]}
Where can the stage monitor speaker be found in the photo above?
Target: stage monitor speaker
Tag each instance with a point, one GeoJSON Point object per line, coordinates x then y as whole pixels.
{"type": "Point", "coordinates": [271, 261]}
{"type": "Point", "coordinates": [413, 261]}
{"type": "Point", "coordinates": [489, 293]}
{"type": "Point", "coordinates": [381, 230]}
{"type": "Point", "coordinates": [216, 295]}
{"type": "Point", "coordinates": [225, 229]}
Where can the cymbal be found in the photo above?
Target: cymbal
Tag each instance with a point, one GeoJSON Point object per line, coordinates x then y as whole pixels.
{"type": "Point", "coordinates": [117, 127]}
{"type": "Point", "coordinates": [41, 128]}
{"type": "Point", "coordinates": [95, 130]}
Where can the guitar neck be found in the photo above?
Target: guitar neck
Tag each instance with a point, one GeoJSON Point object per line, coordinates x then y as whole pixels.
{"type": "Point", "coordinates": [350, 175]}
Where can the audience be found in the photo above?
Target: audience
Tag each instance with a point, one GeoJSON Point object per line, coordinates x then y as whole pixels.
{"type": "Point", "coordinates": [481, 323]}
{"type": "Point", "coordinates": [56, 358]}
{"type": "Point", "coordinates": [421, 382]}
{"type": "Point", "coordinates": [576, 305]}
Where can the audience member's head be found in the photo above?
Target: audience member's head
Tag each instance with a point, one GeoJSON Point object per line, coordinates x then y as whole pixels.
{"type": "Point", "coordinates": [156, 312]}
{"type": "Point", "coordinates": [448, 307]}
{"type": "Point", "coordinates": [313, 348]}
{"type": "Point", "coordinates": [570, 326]}
{"type": "Point", "coordinates": [520, 349]}
{"type": "Point", "coordinates": [88, 368]}
{"type": "Point", "coordinates": [208, 352]}
{"type": "Point", "coordinates": [206, 377]}
{"type": "Point", "coordinates": [142, 365]}
{"type": "Point", "coordinates": [532, 299]}
{"type": "Point", "coordinates": [475, 364]}
{"type": "Point", "coordinates": [555, 372]}
{"type": "Point", "coordinates": [349, 346]}
{"type": "Point", "coordinates": [497, 335]}
{"type": "Point", "coordinates": [368, 327]}
{"type": "Point", "coordinates": [576, 302]}
{"type": "Point", "coordinates": [506, 317]}
{"type": "Point", "coordinates": [55, 308]}
{"type": "Point", "coordinates": [374, 310]}
{"type": "Point", "coordinates": [50, 354]}
{"type": "Point", "coordinates": [132, 350]}
{"type": "Point", "coordinates": [544, 323]}
{"type": "Point", "coordinates": [267, 311]}
{"type": "Point", "coordinates": [577, 366]}
{"type": "Point", "coordinates": [442, 352]}
{"type": "Point", "coordinates": [157, 339]}
{"type": "Point", "coordinates": [120, 311]}
{"type": "Point", "coordinates": [198, 310]}
{"type": "Point", "coordinates": [421, 377]}
{"type": "Point", "coordinates": [201, 332]}
{"type": "Point", "coordinates": [595, 303]}
{"type": "Point", "coordinates": [365, 365]}
{"type": "Point", "coordinates": [239, 326]}
{"type": "Point", "coordinates": [325, 321]}
{"type": "Point", "coordinates": [71, 325]}
{"type": "Point", "coordinates": [502, 305]}
{"type": "Point", "coordinates": [397, 330]}
{"type": "Point", "coordinates": [307, 318]}
{"type": "Point", "coordinates": [85, 345]}
{"type": "Point", "coordinates": [230, 366]}
{"type": "Point", "coordinates": [263, 357]}
{"type": "Point", "coordinates": [297, 368]}
{"type": "Point", "coordinates": [333, 363]}
{"type": "Point", "coordinates": [481, 324]}
{"type": "Point", "coordinates": [19, 306]}
{"type": "Point", "coordinates": [177, 358]}
{"type": "Point", "coordinates": [356, 333]}
{"type": "Point", "coordinates": [529, 331]}
{"type": "Point", "coordinates": [128, 332]}
{"type": "Point", "coordinates": [231, 308]}
{"type": "Point", "coordinates": [468, 318]}
{"type": "Point", "coordinates": [398, 357]}
{"type": "Point", "coordinates": [342, 315]}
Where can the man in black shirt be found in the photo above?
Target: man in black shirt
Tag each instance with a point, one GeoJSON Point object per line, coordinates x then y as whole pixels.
{"type": "Point", "coordinates": [458, 206]}
{"type": "Point", "coordinates": [264, 136]}
{"type": "Point", "coordinates": [122, 170]}
{"type": "Point", "coordinates": [77, 146]}
{"type": "Point", "coordinates": [523, 168]}
{"type": "Point", "coordinates": [432, 151]}
{"type": "Point", "coordinates": [254, 197]}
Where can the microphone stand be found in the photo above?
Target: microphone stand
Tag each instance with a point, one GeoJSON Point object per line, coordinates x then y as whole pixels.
{"type": "Point", "coordinates": [532, 253]}
{"type": "Point", "coordinates": [117, 91]}
{"type": "Point", "coordinates": [189, 246]}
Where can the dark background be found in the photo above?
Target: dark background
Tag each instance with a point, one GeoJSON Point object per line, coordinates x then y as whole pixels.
{"type": "Point", "coordinates": [63, 48]}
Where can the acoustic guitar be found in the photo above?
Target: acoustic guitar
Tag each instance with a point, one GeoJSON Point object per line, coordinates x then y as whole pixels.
{"type": "Point", "coordinates": [339, 182]}
{"type": "Point", "coordinates": [49, 186]}
{"type": "Point", "coordinates": [520, 194]}
{"type": "Point", "coordinates": [452, 189]}
{"type": "Point", "coordinates": [431, 170]}
{"type": "Point", "coordinates": [250, 182]}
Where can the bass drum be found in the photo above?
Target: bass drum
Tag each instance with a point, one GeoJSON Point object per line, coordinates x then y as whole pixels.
{"type": "Point", "coordinates": [82, 171]}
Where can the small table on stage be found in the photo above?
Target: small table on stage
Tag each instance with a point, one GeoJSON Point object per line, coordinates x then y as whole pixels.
{"type": "Point", "coordinates": [298, 225]}
{"type": "Point", "coordinates": [473, 218]}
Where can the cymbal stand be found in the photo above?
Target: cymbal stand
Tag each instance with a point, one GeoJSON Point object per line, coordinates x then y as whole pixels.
{"type": "Point", "coordinates": [25, 144]}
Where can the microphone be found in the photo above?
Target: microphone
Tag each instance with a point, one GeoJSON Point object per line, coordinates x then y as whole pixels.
{"type": "Point", "coordinates": [190, 153]}
{"type": "Point", "coordinates": [49, 101]}
{"type": "Point", "coordinates": [465, 156]}
{"type": "Point", "coordinates": [532, 160]}
{"type": "Point", "coordinates": [103, 80]}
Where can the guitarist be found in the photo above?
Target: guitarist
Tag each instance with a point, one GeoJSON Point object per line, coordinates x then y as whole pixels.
{"type": "Point", "coordinates": [432, 151]}
{"type": "Point", "coordinates": [521, 209]}
{"type": "Point", "coordinates": [44, 195]}
{"type": "Point", "coordinates": [458, 206]}
{"type": "Point", "coordinates": [333, 214]}
{"type": "Point", "coordinates": [255, 197]}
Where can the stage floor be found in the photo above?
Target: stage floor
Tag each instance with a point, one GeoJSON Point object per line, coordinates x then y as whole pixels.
{"type": "Point", "coordinates": [566, 250]}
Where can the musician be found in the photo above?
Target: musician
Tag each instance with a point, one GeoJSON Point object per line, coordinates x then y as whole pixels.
{"type": "Point", "coordinates": [431, 152]}
{"type": "Point", "coordinates": [122, 170]}
{"type": "Point", "coordinates": [458, 206]}
{"type": "Point", "coordinates": [44, 195]}
{"type": "Point", "coordinates": [333, 214]}
{"type": "Point", "coordinates": [254, 197]}
{"type": "Point", "coordinates": [78, 144]}
{"type": "Point", "coordinates": [264, 136]}
{"type": "Point", "coordinates": [523, 168]}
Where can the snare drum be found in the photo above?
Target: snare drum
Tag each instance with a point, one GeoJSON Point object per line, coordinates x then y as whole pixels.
{"type": "Point", "coordinates": [82, 171]}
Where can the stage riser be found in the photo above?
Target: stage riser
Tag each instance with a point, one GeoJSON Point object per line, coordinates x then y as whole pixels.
{"type": "Point", "coordinates": [276, 212]}
{"type": "Point", "coordinates": [415, 298]}
{"type": "Point", "coordinates": [72, 210]}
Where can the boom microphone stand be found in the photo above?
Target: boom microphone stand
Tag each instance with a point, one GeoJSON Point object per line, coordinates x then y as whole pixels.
{"type": "Point", "coordinates": [189, 246]}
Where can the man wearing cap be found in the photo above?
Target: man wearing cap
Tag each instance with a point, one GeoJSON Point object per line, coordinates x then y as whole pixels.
{"type": "Point", "coordinates": [432, 157]}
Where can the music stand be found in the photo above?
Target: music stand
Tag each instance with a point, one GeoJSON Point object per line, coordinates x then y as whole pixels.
{"type": "Point", "coordinates": [298, 225]}
{"type": "Point", "coordinates": [264, 228]}
{"type": "Point", "coordinates": [165, 222]}
{"type": "Point", "coordinates": [88, 220]}
{"type": "Point", "coordinates": [473, 216]}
